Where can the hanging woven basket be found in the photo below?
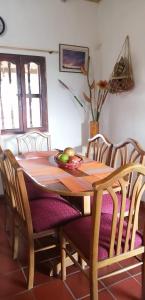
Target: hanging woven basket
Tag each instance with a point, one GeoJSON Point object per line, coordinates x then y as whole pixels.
{"type": "Point", "coordinates": [122, 76]}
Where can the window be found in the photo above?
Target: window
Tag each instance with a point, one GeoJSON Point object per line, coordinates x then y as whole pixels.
{"type": "Point", "coordinates": [23, 103]}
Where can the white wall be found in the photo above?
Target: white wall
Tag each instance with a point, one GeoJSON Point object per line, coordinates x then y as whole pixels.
{"type": "Point", "coordinates": [102, 27]}
{"type": "Point", "coordinates": [43, 25]}
{"type": "Point", "coordinates": [124, 114]}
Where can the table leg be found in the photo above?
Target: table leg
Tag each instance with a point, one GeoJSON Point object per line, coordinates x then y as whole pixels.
{"type": "Point", "coordinates": [86, 205]}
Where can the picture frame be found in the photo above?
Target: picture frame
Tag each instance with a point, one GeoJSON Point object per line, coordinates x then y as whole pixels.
{"type": "Point", "coordinates": [72, 58]}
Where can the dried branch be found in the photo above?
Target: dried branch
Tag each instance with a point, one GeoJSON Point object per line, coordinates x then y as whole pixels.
{"type": "Point", "coordinates": [66, 87]}
{"type": "Point", "coordinates": [96, 102]}
{"type": "Point", "coordinates": [86, 97]}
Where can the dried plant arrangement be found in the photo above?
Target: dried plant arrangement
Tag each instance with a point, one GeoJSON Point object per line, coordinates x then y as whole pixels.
{"type": "Point", "coordinates": [122, 76]}
{"type": "Point", "coordinates": [98, 92]}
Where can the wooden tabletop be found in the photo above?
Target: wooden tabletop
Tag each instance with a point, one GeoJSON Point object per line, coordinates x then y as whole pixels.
{"type": "Point", "coordinates": [42, 168]}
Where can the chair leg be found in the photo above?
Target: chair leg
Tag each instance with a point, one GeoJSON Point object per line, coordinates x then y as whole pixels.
{"type": "Point", "coordinates": [143, 278]}
{"type": "Point", "coordinates": [31, 265]}
{"type": "Point", "coordinates": [81, 262]}
{"type": "Point", "coordinates": [11, 229]}
{"type": "Point", "coordinates": [93, 284]}
{"type": "Point", "coordinates": [63, 258]}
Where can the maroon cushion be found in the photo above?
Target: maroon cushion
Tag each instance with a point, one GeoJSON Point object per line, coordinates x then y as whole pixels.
{"type": "Point", "coordinates": [107, 203]}
{"type": "Point", "coordinates": [83, 227]}
{"type": "Point", "coordinates": [35, 192]}
{"type": "Point", "coordinates": [51, 212]}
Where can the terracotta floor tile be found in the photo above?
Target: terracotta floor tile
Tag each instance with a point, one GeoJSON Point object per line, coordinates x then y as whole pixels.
{"type": "Point", "coordinates": [79, 284]}
{"type": "Point", "coordinates": [4, 243]}
{"type": "Point", "coordinates": [11, 284]}
{"type": "Point", "coordinates": [112, 279]}
{"type": "Point", "coordinates": [131, 261]}
{"type": "Point", "coordinates": [22, 296]}
{"type": "Point", "coordinates": [42, 273]}
{"type": "Point", "coordinates": [72, 269]}
{"type": "Point", "coordinates": [128, 289]}
{"type": "Point", "coordinates": [7, 264]}
{"type": "Point", "coordinates": [54, 289]}
{"type": "Point", "coordinates": [103, 295]}
{"type": "Point", "coordinates": [138, 278]}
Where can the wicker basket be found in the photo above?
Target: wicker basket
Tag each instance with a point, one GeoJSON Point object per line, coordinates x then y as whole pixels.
{"type": "Point", "coordinates": [119, 85]}
{"type": "Point", "coordinates": [122, 76]}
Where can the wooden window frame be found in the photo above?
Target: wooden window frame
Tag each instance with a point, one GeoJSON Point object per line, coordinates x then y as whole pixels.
{"type": "Point", "coordinates": [20, 61]}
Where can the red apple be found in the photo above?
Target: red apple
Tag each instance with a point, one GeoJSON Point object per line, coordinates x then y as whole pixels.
{"type": "Point", "coordinates": [74, 159]}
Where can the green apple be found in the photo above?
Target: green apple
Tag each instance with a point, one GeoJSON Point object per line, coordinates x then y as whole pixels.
{"type": "Point", "coordinates": [64, 157]}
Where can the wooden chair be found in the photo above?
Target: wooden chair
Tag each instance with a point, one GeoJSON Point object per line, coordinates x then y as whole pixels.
{"type": "Point", "coordinates": [2, 169]}
{"type": "Point", "coordinates": [9, 204]}
{"type": "Point", "coordinates": [35, 219]}
{"type": "Point", "coordinates": [123, 153]}
{"type": "Point", "coordinates": [100, 149]}
{"type": "Point", "coordinates": [33, 141]}
{"type": "Point", "coordinates": [126, 152]}
{"type": "Point", "coordinates": [33, 190]}
{"type": "Point", "coordinates": [34, 193]}
{"type": "Point", "coordinates": [107, 239]}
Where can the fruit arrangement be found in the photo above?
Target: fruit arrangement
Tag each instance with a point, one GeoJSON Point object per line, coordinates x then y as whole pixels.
{"type": "Point", "coordinates": [68, 159]}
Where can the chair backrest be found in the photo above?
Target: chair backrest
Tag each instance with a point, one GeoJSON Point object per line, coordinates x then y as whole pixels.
{"type": "Point", "coordinates": [2, 167]}
{"type": "Point", "coordinates": [122, 235]}
{"type": "Point", "coordinates": [1, 161]}
{"type": "Point", "coordinates": [4, 178]}
{"type": "Point", "coordinates": [33, 141]}
{"type": "Point", "coordinates": [126, 152]}
{"type": "Point", "coordinates": [18, 189]}
{"type": "Point", "coordinates": [100, 149]}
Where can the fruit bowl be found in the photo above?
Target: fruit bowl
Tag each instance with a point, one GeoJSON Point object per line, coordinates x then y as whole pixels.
{"type": "Point", "coordinates": [73, 164]}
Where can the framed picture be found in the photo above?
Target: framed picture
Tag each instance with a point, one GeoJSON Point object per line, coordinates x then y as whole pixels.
{"type": "Point", "coordinates": [72, 58]}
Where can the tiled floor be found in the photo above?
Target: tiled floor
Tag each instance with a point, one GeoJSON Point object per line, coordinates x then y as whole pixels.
{"type": "Point", "coordinates": [13, 279]}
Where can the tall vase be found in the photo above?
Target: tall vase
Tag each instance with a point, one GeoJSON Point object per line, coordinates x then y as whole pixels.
{"type": "Point", "coordinates": [94, 128]}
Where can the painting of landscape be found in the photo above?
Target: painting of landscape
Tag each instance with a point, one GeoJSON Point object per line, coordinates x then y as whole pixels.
{"type": "Point", "coordinates": [72, 58]}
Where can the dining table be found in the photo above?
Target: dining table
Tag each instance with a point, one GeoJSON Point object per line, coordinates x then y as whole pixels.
{"type": "Point", "coordinates": [45, 171]}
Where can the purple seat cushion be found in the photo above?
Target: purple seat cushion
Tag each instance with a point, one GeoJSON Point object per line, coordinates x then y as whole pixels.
{"type": "Point", "coordinates": [35, 192]}
{"type": "Point", "coordinates": [51, 212]}
{"type": "Point", "coordinates": [107, 204]}
{"type": "Point", "coordinates": [79, 232]}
